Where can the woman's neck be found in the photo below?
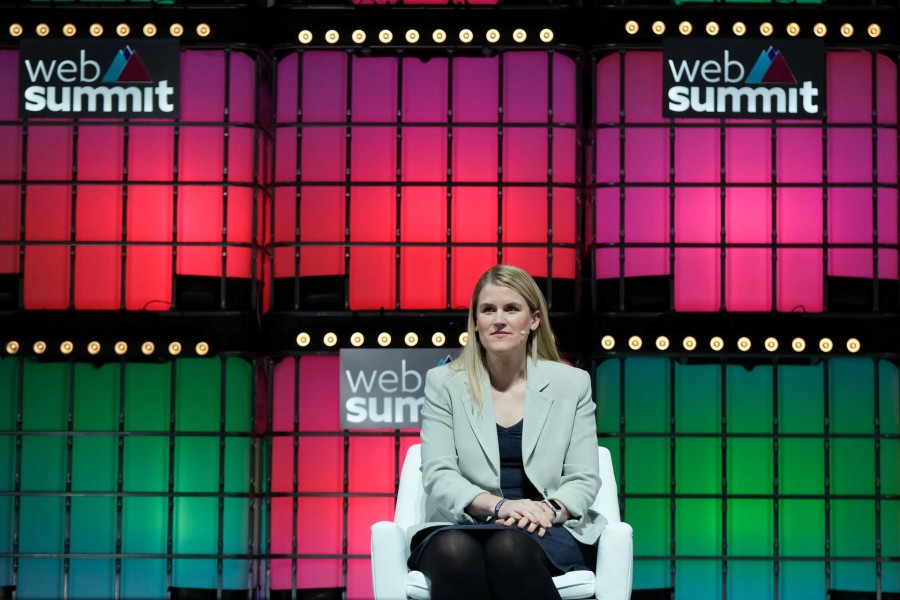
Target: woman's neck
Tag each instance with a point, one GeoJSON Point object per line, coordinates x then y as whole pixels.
{"type": "Point", "coordinates": [506, 371]}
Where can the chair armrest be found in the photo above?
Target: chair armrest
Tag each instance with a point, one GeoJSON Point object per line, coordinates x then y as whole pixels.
{"type": "Point", "coordinates": [389, 552]}
{"type": "Point", "coordinates": [615, 560]}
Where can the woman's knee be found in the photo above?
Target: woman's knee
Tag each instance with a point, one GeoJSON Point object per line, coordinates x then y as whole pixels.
{"type": "Point", "coordinates": [453, 549]}
{"type": "Point", "coordinates": [511, 547]}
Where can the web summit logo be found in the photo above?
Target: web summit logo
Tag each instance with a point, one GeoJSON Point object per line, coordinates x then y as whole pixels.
{"type": "Point", "coordinates": [127, 67]}
{"type": "Point", "coordinates": [66, 81]}
{"type": "Point", "coordinates": [731, 83]}
{"type": "Point", "coordinates": [771, 67]}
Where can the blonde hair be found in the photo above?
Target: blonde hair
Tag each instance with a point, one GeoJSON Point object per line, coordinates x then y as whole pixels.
{"type": "Point", "coordinates": [541, 344]}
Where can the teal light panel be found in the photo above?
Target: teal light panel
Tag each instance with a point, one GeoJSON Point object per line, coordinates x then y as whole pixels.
{"type": "Point", "coordinates": [651, 520]}
{"type": "Point", "coordinates": [759, 480]}
{"type": "Point", "coordinates": [698, 466]}
{"type": "Point", "coordinates": [749, 580]}
{"type": "Point", "coordinates": [103, 450]}
{"type": "Point", "coordinates": [93, 530]}
{"type": "Point", "coordinates": [801, 580]}
{"type": "Point", "coordinates": [698, 398]}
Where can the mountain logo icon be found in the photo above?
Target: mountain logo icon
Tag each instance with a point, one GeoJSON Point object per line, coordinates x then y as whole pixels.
{"type": "Point", "coordinates": [127, 67]}
{"type": "Point", "coordinates": [771, 68]}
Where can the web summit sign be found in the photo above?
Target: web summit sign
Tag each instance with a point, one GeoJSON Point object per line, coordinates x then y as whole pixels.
{"type": "Point", "coordinates": [749, 78]}
{"type": "Point", "coordinates": [385, 389]}
{"type": "Point", "coordinates": [99, 78]}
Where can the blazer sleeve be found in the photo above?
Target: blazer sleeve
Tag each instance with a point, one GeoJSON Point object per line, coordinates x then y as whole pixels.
{"type": "Point", "coordinates": [446, 486]}
{"type": "Point", "coordinates": [580, 479]}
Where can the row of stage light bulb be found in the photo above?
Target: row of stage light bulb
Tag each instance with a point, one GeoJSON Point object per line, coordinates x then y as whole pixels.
{"type": "Point", "coordinates": [766, 29]}
{"type": "Point", "coordinates": [466, 36]}
{"type": "Point", "coordinates": [385, 36]}
{"type": "Point", "coordinates": [608, 342]}
{"type": "Point", "coordinates": [717, 344]}
{"type": "Point", "coordinates": [438, 340]}
{"type": "Point", "coordinates": [94, 348]}
{"type": "Point", "coordinates": [122, 30]}
{"type": "Point", "coordinates": [412, 36]}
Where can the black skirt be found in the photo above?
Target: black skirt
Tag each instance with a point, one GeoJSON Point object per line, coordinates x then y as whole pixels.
{"type": "Point", "coordinates": [562, 549]}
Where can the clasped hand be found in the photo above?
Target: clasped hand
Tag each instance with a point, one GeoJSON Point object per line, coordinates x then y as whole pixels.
{"type": "Point", "coordinates": [529, 515]}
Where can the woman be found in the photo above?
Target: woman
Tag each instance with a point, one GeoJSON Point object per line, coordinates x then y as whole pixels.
{"type": "Point", "coordinates": [509, 454]}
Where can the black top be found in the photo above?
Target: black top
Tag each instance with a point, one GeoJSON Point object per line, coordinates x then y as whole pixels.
{"type": "Point", "coordinates": [513, 481]}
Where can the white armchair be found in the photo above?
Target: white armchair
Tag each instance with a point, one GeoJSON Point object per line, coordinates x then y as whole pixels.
{"type": "Point", "coordinates": [611, 580]}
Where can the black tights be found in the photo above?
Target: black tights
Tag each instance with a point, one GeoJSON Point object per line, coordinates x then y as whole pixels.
{"type": "Point", "coordinates": [500, 564]}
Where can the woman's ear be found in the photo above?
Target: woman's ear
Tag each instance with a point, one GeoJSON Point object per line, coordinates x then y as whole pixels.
{"type": "Point", "coordinates": [535, 320]}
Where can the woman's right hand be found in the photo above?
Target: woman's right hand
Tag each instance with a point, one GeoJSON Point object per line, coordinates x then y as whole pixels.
{"type": "Point", "coordinates": [527, 514]}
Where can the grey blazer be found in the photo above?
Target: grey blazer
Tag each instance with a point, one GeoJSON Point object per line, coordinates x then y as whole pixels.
{"type": "Point", "coordinates": [461, 457]}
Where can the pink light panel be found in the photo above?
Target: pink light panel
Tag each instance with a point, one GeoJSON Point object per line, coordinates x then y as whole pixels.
{"type": "Point", "coordinates": [798, 203]}
{"type": "Point", "coordinates": [423, 176]}
{"type": "Point", "coordinates": [125, 191]}
{"type": "Point", "coordinates": [307, 448]}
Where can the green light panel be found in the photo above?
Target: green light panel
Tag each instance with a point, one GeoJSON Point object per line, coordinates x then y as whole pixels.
{"type": "Point", "coordinates": [756, 481]}
{"type": "Point", "coordinates": [103, 450]}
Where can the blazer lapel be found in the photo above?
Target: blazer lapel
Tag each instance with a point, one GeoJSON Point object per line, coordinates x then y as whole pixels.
{"type": "Point", "coordinates": [484, 427]}
{"type": "Point", "coordinates": [537, 408]}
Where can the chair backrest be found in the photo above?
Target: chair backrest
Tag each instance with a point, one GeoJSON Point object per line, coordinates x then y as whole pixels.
{"type": "Point", "coordinates": [411, 497]}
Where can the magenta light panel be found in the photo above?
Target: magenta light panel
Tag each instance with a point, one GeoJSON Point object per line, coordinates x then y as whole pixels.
{"type": "Point", "coordinates": [400, 180]}
{"type": "Point", "coordinates": [109, 214]}
{"type": "Point", "coordinates": [348, 481]}
{"type": "Point", "coordinates": [741, 214]}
